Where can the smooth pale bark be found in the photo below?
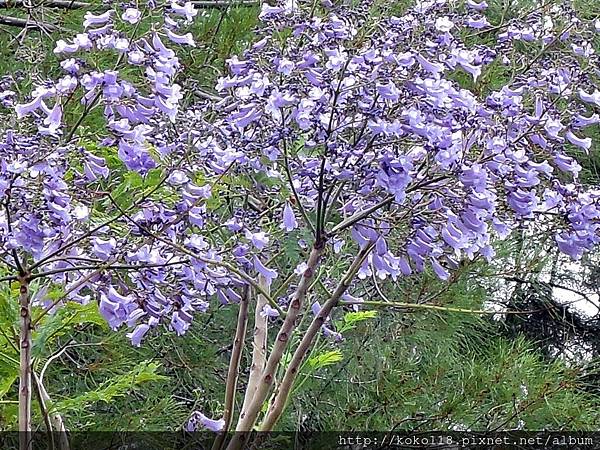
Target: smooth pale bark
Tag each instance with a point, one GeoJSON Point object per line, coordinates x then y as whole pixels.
{"type": "Point", "coordinates": [281, 396]}
{"type": "Point", "coordinates": [259, 347]}
{"type": "Point", "coordinates": [55, 419]}
{"type": "Point", "coordinates": [25, 369]}
{"type": "Point", "coordinates": [247, 422]}
{"type": "Point", "coordinates": [234, 366]}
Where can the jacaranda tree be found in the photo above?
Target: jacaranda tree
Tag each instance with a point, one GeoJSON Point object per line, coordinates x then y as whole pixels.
{"type": "Point", "coordinates": [345, 140]}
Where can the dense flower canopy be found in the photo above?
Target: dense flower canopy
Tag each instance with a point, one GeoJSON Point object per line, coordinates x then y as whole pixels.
{"type": "Point", "coordinates": [361, 113]}
{"type": "Point", "coordinates": [338, 127]}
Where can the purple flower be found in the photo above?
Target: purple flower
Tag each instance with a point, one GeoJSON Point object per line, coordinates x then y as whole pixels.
{"type": "Point", "coordinates": [285, 66]}
{"type": "Point", "coordinates": [289, 219]}
{"type": "Point", "coordinates": [439, 270]}
{"type": "Point", "coordinates": [131, 15]}
{"type": "Point", "coordinates": [64, 47]}
{"type": "Point", "coordinates": [91, 19]}
{"type": "Point", "coordinates": [185, 39]}
{"type": "Point", "coordinates": [479, 23]}
{"type": "Point", "coordinates": [568, 245]}
{"type": "Point", "coordinates": [81, 212]}
{"type": "Point", "coordinates": [177, 178]}
{"type": "Point", "coordinates": [245, 116]}
{"type": "Point", "coordinates": [103, 249]}
{"type": "Point", "coordinates": [443, 24]}
{"type": "Point", "coordinates": [138, 334]}
{"type": "Point", "coordinates": [115, 308]}
{"type": "Point", "coordinates": [406, 59]}
{"type": "Point", "coordinates": [136, 57]}
{"type": "Point", "coordinates": [180, 322]}
{"type": "Point", "coordinates": [590, 98]}
{"type": "Point", "coordinates": [70, 65]}
{"type": "Point", "coordinates": [351, 299]}
{"type": "Point", "coordinates": [27, 108]}
{"type": "Point", "coordinates": [163, 51]}
{"type": "Point", "coordinates": [258, 239]}
{"type": "Point", "coordinates": [429, 66]}
{"type": "Point", "coordinates": [199, 419]}
{"type": "Point", "coordinates": [582, 121]}
{"type": "Point", "coordinates": [553, 127]}
{"type": "Point", "coordinates": [331, 334]}
{"type": "Point", "coordinates": [187, 10]}
{"type": "Point", "coordinates": [267, 311]}
{"type": "Point", "coordinates": [94, 166]}
{"type": "Point", "coordinates": [52, 121]}
{"type": "Point", "coordinates": [316, 308]}
{"type": "Point", "coordinates": [301, 268]}
{"type": "Point", "coordinates": [404, 266]}
{"type": "Point", "coordinates": [567, 164]}
{"type": "Point", "coordinates": [268, 274]}
{"type": "Point", "coordinates": [477, 6]}
{"type": "Point", "coordinates": [389, 91]}
{"type": "Point", "coordinates": [584, 143]}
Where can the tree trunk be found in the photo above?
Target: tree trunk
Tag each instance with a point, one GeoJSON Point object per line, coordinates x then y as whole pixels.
{"type": "Point", "coordinates": [25, 369]}
{"type": "Point", "coordinates": [281, 395]}
{"type": "Point", "coordinates": [234, 366]}
{"type": "Point", "coordinates": [248, 418]}
{"type": "Point", "coordinates": [259, 347]}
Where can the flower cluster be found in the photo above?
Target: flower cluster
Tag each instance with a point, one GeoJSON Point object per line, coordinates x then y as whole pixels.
{"type": "Point", "coordinates": [389, 123]}
{"type": "Point", "coordinates": [133, 111]}
{"type": "Point", "coordinates": [145, 259]}
{"type": "Point", "coordinates": [363, 131]}
{"type": "Point", "coordinates": [407, 136]}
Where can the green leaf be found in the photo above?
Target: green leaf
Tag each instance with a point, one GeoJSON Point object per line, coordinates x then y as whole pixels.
{"type": "Point", "coordinates": [9, 320]}
{"type": "Point", "coordinates": [153, 178]}
{"type": "Point", "coordinates": [9, 367]}
{"type": "Point", "coordinates": [6, 382]}
{"type": "Point", "coordinates": [324, 359]}
{"type": "Point", "coordinates": [9, 308]}
{"type": "Point", "coordinates": [64, 321]}
{"type": "Point", "coordinates": [123, 194]}
{"type": "Point", "coordinates": [354, 317]}
{"type": "Point", "coordinates": [118, 386]}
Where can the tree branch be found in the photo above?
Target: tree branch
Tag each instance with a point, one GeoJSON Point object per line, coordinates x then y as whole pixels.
{"type": "Point", "coordinates": [65, 4]}
{"type": "Point", "coordinates": [281, 396]}
{"type": "Point", "coordinates": [105, 267]}
{"type": "Point", "coordinates": [234, 366]}
{"type": "Point", "coordinates": [26, 23]}
{"type": "Point", "coordinates": [56, 420]}
{"type": "Point", "coordinates": [259, 348]}
{"type": "Point", "coordinates": [244, 276]}
{"type": "Point", "coordinates": [25, 442]}
{"type": "Point", "coordinates": [246, 421]}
